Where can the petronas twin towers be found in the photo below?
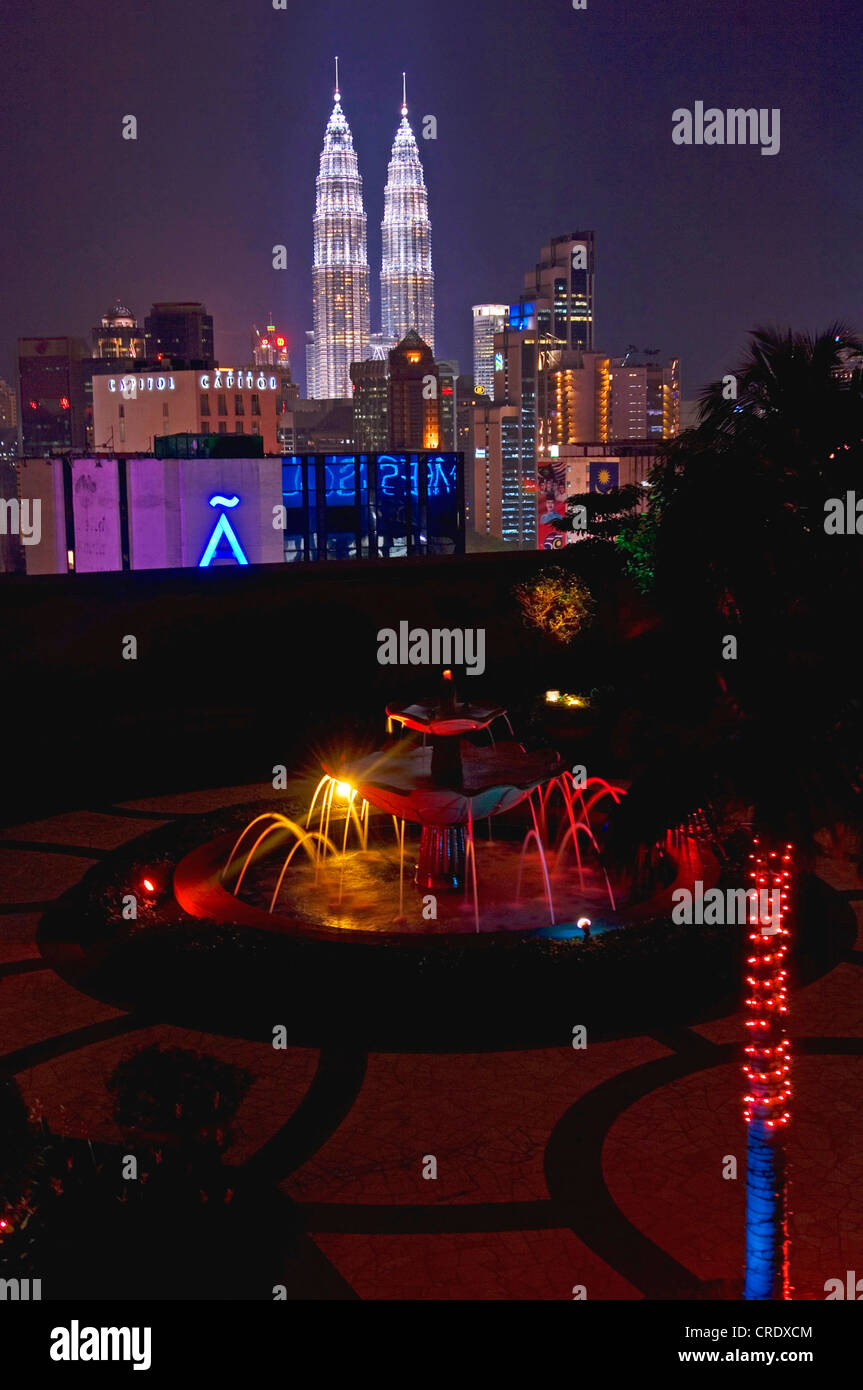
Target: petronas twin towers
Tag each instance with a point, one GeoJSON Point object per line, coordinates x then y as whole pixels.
{"type": "Point", "coordinates": [340, 278]}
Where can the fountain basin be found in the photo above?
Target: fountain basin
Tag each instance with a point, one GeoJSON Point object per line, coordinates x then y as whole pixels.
{"type": "Point", "coordinates": [399, 781]}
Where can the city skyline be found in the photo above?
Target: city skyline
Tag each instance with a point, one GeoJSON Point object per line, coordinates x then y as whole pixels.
{"type": "Point", "coordinates": [226, 183]}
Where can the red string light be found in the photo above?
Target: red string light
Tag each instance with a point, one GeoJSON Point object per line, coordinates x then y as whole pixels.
{"type": "Point", "coordinates": [768, 1068]}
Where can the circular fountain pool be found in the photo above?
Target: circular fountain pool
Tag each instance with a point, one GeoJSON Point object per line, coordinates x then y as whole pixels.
{"type": "Point", "coordinates": [520, 887]}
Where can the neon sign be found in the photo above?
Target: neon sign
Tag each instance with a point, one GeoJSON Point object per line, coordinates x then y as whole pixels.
{"type": "Point", "coordinates": [222, 528]}
{"type": "Point", "coordinates": [226, 377]}
{"type": "Point", "coordinates": [394, 474]}
{"type": "Point", "coordinates": [129, 386]}
{"type": "Point", "coordinates": [440, 475]}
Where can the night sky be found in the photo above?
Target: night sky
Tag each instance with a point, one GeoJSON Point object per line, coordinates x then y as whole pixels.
{"type": "Point", "coordinates": [550, 120]}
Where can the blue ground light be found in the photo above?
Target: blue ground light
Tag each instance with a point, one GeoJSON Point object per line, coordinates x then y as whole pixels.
{"type": "Point", "coordinates": [568, 931]}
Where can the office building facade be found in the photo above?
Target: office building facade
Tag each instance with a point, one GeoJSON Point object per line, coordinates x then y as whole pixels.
{"type": "Point", "coordinates": [133, 409]}
{"type": "Point", "coordinates": [644, 400]}
{"type": "Point", "coordinates": [501, 505]}
{"type": "Point", "coordinates": [371, 385]}
{"type": "Point", "coordinates": [319, 426]}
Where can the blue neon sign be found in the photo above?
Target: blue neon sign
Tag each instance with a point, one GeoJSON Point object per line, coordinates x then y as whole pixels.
{"type": "Point", "coordinates": [222, 528]}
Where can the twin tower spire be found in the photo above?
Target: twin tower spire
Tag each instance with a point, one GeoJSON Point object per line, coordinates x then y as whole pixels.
{"type": "Point", "coordinates": [340, 278]}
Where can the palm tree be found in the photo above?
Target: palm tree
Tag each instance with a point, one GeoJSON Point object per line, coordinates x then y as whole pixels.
{"type": "Point", "coordinates": [758, 600]}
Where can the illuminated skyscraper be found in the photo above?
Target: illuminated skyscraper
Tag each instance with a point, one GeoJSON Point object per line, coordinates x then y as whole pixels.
{"type": "Point", "coordinates": [407, 279]}
{"type": "Point", "coordinates": [488, 319]}
{"type": "Point", "coordinates": [340, 279]}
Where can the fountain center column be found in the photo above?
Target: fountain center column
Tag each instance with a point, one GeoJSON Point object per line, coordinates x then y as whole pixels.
{"type": "Point", "coordinates": [441, 863]}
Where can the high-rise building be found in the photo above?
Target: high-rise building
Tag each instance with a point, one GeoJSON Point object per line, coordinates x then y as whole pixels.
{"type": "Point", "coordinates": [340, 278]}
{"type": "Point", "coordinates": [575, 393]}
{"type": "Point", "coordinates": [179, 333]}
{"type": "Point", "coordinates": [497, 496]}
{"type": "Point", "coordinates": [467, 399]}
{"type": "Point", "coordinates": [523, 357]}
{"type": "Point", "coordinates": [644, 400]}
{"type": "Point", "coordinates": [119, 335]}
{"type": "Point", "coordinates": [407, 279]}
{"type": "Point", "coordinates": [371, 404]}
{"type": "Point", "coordinates": [414, 395]}
{"type": "Point", "coordinates": [558, 298]}
{"type": "Point", "coordinates": [488, 319]}
{"type": "Point", "coordinates": [51, 374]}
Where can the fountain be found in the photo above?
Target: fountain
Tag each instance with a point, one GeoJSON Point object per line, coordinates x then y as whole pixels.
{"type": "Point", "coordinates": [446, 784]}
{"type": "Point", "coordinates": [437, 775]}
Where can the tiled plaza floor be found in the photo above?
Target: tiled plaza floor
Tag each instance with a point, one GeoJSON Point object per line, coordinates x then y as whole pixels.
{"type": "Point", "coordinates": [556, 1168]}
